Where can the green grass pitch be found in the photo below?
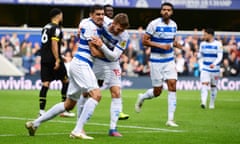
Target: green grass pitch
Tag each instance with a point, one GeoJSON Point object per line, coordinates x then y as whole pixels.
{"type": "Point", "coordinates": [196, 125]}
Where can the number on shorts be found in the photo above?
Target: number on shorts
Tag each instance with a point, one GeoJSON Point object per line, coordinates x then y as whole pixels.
{"type": "Point", "coordinates": [117, 72]}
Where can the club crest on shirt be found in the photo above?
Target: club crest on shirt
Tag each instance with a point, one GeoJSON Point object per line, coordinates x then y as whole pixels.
{"type": "Point", "coordinates": [57, 32]}
{"type": "Point", "coordinates": [123, 44]}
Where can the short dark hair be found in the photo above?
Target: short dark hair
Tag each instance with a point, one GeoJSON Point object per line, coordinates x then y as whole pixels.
{"type": "Point", "coordinates": [54, 12]}
{"type": "Point", "coordinates": [167, 4]}
{"type": "Point", "coordinates": [96, 7]}
{"type": "Point", "coordinates": [210, 31]}
{"type": "Point", "coordinates": [107, 5]}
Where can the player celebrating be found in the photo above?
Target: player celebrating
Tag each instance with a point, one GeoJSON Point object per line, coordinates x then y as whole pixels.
{"type": "Point", "coordinates": [82, 79]}
{"type": "Point", "coordinates": [211, 53]}
{"type": "Point", "coordinates": [52, 64]}
{"type": "Point", "coordinates": [109, 12]}
{"type": "Point", "coordinates": [113, 43]}
{"type": "Point", "coordinates": [159, 36]}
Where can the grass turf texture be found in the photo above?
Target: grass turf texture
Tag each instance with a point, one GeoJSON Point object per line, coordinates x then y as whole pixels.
{"type": "Point", "coordinates": [196, 125]}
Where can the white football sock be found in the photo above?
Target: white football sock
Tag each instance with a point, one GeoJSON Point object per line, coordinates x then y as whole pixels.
{"type": "Point", "coordinates": [204, 94]}
{"type": "Point", "coordinates": [116, 108]}
{"type": "Point", "coordinates": [147, 95]}
{"type": "Point", "coordinates": [213, 95]}
{"type": "Point", "coordinates": [80, 103]}
{"type": "Point", "coordinates": [172, 102]}
{"type": "Point", "coordinates": [51, 113]}
{"type": "Point", "coordinates": [87, 112]}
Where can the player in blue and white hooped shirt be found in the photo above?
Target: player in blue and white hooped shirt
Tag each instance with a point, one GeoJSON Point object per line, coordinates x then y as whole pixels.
{"type": "Point", "coordinates": [113, 40]}
{"type": "Point", "coordinates": [112, 44]}
{"type": "Point", "coordinates": [82, 78]}
{"type": "Point", "coordinates": [160, 34]}
{"type": "Point", "coordinates": [211, 53]}
{"type": "Point", "coordinates": [107, 68]}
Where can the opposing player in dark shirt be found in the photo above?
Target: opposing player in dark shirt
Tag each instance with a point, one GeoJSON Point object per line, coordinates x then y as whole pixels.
{"type": "Point", "coordinates": [52, 64]}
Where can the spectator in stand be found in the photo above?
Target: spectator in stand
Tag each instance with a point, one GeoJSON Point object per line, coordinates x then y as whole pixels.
{"type": "Point", "coordinates": [225, 69]}
{"type": "Point", "coordinates": [124, 64]}
{"type": "Point", "coordinates": [7, 47]}
{"type": "Point", "coordinates": [28, 61]}
{"type": "Point", "coordinates": [36, 67]}
{"type": "Point", "coordinates": [141, 56]}
{"type": "Point", "coordinates": [16, 43]}
{"type": "Point", "coordinates": [234, 64]}
{"type": "Point", "coordinates": [67, 59]}
{"type": "Point", "coordinates": [196, 67]}
{"type": "Point", "coordinates": [131, 67]}
{"type": "Point", "coordinates": [26, 38]}
{"type": "Point", "coordinates": [180, 62]}
{"type": "Point", "coordinates": [135, 43]}
{"type": "Point", "coordinates": [72, 44]}
{"type": "Point", "coordinates": [36, 49]}
{"type": "Point", "coordinates": [130, 52]}
{"type": "Point", "coordinates": [8, 51]}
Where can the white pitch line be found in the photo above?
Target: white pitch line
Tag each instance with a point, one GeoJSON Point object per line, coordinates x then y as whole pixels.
{"type": "Point", "coordinates": [52, 134]}
{"type": "Point", "coordinates": [99, 124]}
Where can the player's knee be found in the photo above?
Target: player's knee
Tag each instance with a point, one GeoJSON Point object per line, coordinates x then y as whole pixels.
{"type": "Point", "coordinates": [96, 94]}
{"type": "Point", "coordinates": [69, 104]}
{"type": "Point", "coordinates": [46, 84]}
{"type": "Point", "coordinates": [157, 92]}
{"type": "Point", "coordinates": [65, 81]}
{"type": "Point", "coordinates": [172, 85]}
{"type": "Point", "coordinates": [115, 94]}
{"type": "Point", "coordinates": [115, 91]}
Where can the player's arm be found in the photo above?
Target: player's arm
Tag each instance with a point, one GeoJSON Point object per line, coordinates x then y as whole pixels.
{"type": "Point", "coordinates": [111, 55]}
{"type": "Point", "coordinates": [150, 30]}
{"type": "Point", "coordinates": [176, 44]}
{"type": "Point", "coordinates": [54, 41]}
{"type": "Point", "coordinates": [87, 32]}
{"type": "Point", "coordinates": [219, 57]}
{"type": "Point", "coordinates": [95, 51]}
{"type": "Point", "coordinates": [147, 42]}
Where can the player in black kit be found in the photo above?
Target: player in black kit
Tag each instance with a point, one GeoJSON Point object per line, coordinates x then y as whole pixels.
{"type": "Point", "coordinates": [52, 64]}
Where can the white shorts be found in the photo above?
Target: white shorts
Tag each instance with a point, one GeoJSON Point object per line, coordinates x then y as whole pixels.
{"type": "Point", "coordinates": [109, 72]}
{"type": "Point", "coordinates": [209, 77]}
{"type": "Point", "coordinates": [161, 72]}
{"type": "Point", "coordinates": [82, 79]}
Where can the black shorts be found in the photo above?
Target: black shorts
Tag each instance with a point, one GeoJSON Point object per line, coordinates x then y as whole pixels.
{"type": "Point", "coordinates": [49, 74]}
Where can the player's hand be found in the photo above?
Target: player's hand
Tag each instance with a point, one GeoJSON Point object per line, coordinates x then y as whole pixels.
{"type": "Point", "coordinates": [177, 44]}
{"type": "Point", "coordinates": [57, 65]}
{"type": "Point", "coordinates": [212, 66]}
{"type": "Point", "coordinates": [97, 41]}
{"type": "Point", "coordinates": [166, 47]}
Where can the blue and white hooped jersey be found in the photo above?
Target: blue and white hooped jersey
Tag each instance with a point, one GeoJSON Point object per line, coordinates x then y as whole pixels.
{"type": "Point", "coordinates": [87, 30]}
{"type": "Point", "coordinates": [113, 42]}
{"type": "Point", "coordinates": [161, 33]}
{"type": "Point", "coordinates": [209, 52]}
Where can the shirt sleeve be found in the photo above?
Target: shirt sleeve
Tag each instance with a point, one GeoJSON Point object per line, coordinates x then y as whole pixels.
{"type": "Point", "coordinates": [56, 32]}
{"type": "Point", "coordinates": [150, 29]}
{"type": "Point", "coordinates": [219, 54]}
{"type": "Point", "coordinates": [200, 51]}
{"type": "Point", "coordinates": [88, 30]}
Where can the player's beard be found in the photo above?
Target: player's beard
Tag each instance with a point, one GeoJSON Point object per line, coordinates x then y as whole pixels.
{"type": "Point", "coordinates": [166, 16]}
